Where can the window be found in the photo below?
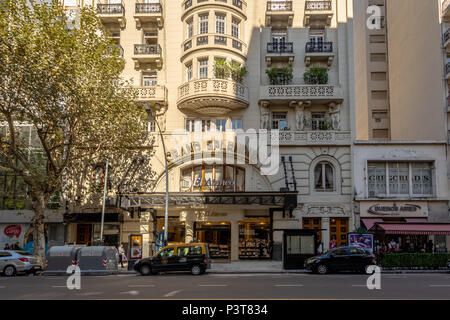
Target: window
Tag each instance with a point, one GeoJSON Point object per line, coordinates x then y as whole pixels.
{"type": "Point", "coordinates": [196, 250]}
{"type": "Point", "coordinates": [220, 68]}
{"type": "Point", "coordinates": [190, 28]}
{"type": "Point", "coordinates": [212, 178]}
{"type": "Point", "coordinates": [220, 23]}
{"type": "Point", "coordinates": [188, 72]}
{"type": "Point", "coordinates": [203, 69]}
{"type": "Point", "coordinates": [235, 27]}
{"type": "Point", "coordinates": [203, 24]}
{"type": "Point", "coordinates": [194, 125]}
{"type": "Point", "coordinates": [183, 251]}
{"type": "Point", "coordinates": [236, 124]}
{"type": "Point", "coordinates": [324, 177]}
{"type": "Point", "coordinates": [149, 80]}
{"type": "Point", "coordinates": [151, 127]}
{"type": "Point", "coordinates": [318, 121]}
{"type": "Point", "coordinates": [279, 120]}
{"type": "Point", "coordinates": [400, 179]}
{"type": "Point", "coordinates": [167, 253]}
{"type": "Point", "coordinates": [221, 124]}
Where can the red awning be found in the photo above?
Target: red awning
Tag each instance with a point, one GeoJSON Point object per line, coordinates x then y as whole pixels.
{"type": "Point", "coordinates": [369, 222]}
{"type": "Point", "coordinates": [415, 228]}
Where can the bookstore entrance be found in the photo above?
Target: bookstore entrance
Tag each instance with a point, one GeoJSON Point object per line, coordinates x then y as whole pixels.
{"type": "Point", "coordinates": [217, 235]}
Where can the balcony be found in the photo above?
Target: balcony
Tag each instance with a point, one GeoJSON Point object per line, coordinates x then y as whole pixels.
{"type": "Point", "coordinates": [147, 53]}
{"type": "Point", "coordinates": [446, 41]}
{"type": "Point", "coordinates": [320, 94]}
{"type": "Point", "coordinates": [446, 10]}
{"type": "Point", "coordinates": [148, 13]}
{"type": "Point", "coordinates": [279, 14]}
{"type": "Point", "coordinates": [238, 6]}
{"type": "Point", "coordinates": [213, 97]}
{"type": "Point", "coordinates": [280, 52]}
{"type": "Point", "coordinates": [301, 138]}
{"type": "Point", "coordinates": [447, 72]}
{"type": "Point", "coordinates": [319, 52]}
{"type": "Point", "coordinates": [214, 41]}
{"type": "Point", "coordinates": [318, 13]}
{"type": "Point", "coordinates": [112, 13]}
{"type": "Point", "coordinates": [154, 95]}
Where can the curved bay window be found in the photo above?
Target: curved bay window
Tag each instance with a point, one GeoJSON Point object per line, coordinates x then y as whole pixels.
{"type": "Point", "coordinates": [324, 177]}
{"type": "Point", "coordinates": [212, 178]}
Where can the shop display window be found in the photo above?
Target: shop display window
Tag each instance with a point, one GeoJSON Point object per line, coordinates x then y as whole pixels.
{"type": "Point", "coordinates": [218, 237]}
{"type": "Point", "coordinates": [254, 238]}
{"type": "Point", "coordinates": [176, 232]}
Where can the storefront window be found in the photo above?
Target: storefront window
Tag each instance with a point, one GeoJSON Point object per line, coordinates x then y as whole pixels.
{"type": "Point", "coordinates": [218, 237]}
{"type": "Point", "coordinates": [254, 238]}
{"type": "Point", "coordinates": [176, 229]}
{"type": "Point", "coordinates": [213, 178]}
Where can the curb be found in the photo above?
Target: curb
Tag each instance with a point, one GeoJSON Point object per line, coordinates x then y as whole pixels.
{"type": "Point", "coordinates": [305, 272]}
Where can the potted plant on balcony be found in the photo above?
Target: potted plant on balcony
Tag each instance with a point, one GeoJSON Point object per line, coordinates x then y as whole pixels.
{"type": "Point", "coordinates": [221, 69]}
{"type": "Point", "coordinates": [280, 76]}
{"type": "Point", "coordinates": [237, 71]}
{"type": "Point", "coordinates": [316, 75]}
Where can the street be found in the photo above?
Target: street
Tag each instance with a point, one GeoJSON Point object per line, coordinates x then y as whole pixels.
{"type": "Point", "coordinates": [228, 286]}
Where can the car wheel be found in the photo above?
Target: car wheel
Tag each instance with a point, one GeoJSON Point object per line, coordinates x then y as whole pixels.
{"type": "Point", "coordinates": [145, 270]}
{"type": "Point", "coordinates": [196, 270]}
{"type": "Point", "coordinates": [9, 271]}
{"type": "Point", "coordinates": [322, 269]}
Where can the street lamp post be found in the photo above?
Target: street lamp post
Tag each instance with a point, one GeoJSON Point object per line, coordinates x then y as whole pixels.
{"type": "Point", "coordinates": [104, 202]}
{"type": "Point", "coordinates": [166, 214]}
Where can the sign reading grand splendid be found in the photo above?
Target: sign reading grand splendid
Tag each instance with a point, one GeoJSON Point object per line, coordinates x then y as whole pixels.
{"type": "Point", "coordinates": [394, 209]}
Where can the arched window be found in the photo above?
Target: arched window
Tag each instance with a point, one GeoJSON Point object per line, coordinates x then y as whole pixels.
{"type": "Point", "coordinates": [324, 177]}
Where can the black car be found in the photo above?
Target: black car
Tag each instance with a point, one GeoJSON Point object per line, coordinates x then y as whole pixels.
{"type": "Point", "coordinates": [193, 257]}
{"type": "Point", "coordinates": [349, 258]}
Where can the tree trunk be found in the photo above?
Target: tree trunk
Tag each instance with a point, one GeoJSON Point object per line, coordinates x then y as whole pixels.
{"type": "Point", "coordinates": [39, 204]}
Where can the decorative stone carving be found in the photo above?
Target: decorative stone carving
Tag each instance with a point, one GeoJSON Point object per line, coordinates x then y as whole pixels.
{"type": "Point", "coordinates": [161, 117]}
{"type": "Point", "coordinates": [300, 117]}
{"type": "Point", "coordinates": [335, 109]}
{"type": "Point", "coordinates": [265, 115]}
{"type": "Point", "coordinates": [326, 211]}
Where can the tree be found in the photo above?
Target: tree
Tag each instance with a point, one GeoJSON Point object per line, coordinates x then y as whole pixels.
{"type": "Point", "coordinates": [66, 84]}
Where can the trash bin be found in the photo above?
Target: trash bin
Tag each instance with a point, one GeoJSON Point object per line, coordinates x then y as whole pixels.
{"type": "Point", "coordinates": [59, 258]}
{"type": "Point", "coordinates": [99, 260]}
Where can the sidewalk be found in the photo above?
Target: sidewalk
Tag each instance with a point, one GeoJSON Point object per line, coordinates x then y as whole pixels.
{"type": "Point", "coordinates": [271, 267]}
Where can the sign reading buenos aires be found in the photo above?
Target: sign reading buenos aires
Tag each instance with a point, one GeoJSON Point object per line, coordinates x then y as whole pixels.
{"type": "Point", "coordinates": [400, 209]}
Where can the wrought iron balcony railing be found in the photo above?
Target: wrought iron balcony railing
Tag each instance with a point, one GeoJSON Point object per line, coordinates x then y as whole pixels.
{"type": "Point", "coordinates": [279, 6]}
{"type": "Point", "coordinates": [319, 47]}
{"type": "Point", "coordinates": [318, 5]}
{"type": "Point", "coordinates": [148, 8]}
{"type": "Point", "coordinates": [147, 49]}
{"type": "Point", "coordinates": [447, 35]}
{"type": "Point", "coordinates": [110, 8]}
{"type": "Point", "coordinates": [280, 47]}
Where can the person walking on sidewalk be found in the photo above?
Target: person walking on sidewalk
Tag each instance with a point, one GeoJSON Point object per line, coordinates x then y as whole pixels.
{"type": "Point", "coordinates": [121, 255]}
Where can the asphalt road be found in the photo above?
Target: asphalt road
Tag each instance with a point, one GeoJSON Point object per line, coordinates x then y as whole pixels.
{"type": "Point", "coordinates": [228, 286]}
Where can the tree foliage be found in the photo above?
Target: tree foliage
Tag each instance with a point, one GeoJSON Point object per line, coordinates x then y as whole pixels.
{"type": "Point", "coordinates": [66, 83]}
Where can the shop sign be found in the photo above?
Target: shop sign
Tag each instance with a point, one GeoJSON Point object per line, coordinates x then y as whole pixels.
{"type": "Point", "coordinates": [12, 234]}
{"type": "Point", "coordinates": [394, 209]}
{"type": "Point", "coordinates": [13, 230]}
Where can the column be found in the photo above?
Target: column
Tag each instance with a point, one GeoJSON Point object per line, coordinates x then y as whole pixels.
{"type": "Point", "coordinates": [189, 225]}
{"type": "Point", "coordinates": [234, 240]}
{"type": "Point", "coordinates": [326, 233]}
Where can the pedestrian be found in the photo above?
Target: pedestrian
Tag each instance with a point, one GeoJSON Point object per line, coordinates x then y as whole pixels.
{"type": "Point", "coordinates": [320, 249]}
{"type": "Point", "coordinates": [332, 243]}
{"type": "Point", "coordinates": [121, 254]}
{"type": "Point", "coordinates": [430, 246]}
{"type": "Point", "coordinates": [261, 249]}
{"type": "Point", "coordinates": [7, 247]}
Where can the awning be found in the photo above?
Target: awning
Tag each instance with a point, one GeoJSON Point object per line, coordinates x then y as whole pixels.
{"type": "Point", "coordinates": [415, 228]}
{"type": "Point", "coordinates": [369, 222]}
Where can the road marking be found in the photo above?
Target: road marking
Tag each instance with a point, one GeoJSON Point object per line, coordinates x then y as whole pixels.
{"type": "Point", "coordinates": [2, 287]}
{"type": "Point", "coordinates": [171, 294]}
{"type": "Point", "coordinates": [133, 292]}
{"type": "Point", "coordinates": [288, 285]}
{"type": "Point", "coordinates": [213, 285]}
{"type": "Point", "coordinates": [141, 285]}
{"type": "Point", "coordinates": [90, 294]}
{"type": "Point", "coordinates": [59, 287]}
{"type": "Point", "coordinates": [439, 285]}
